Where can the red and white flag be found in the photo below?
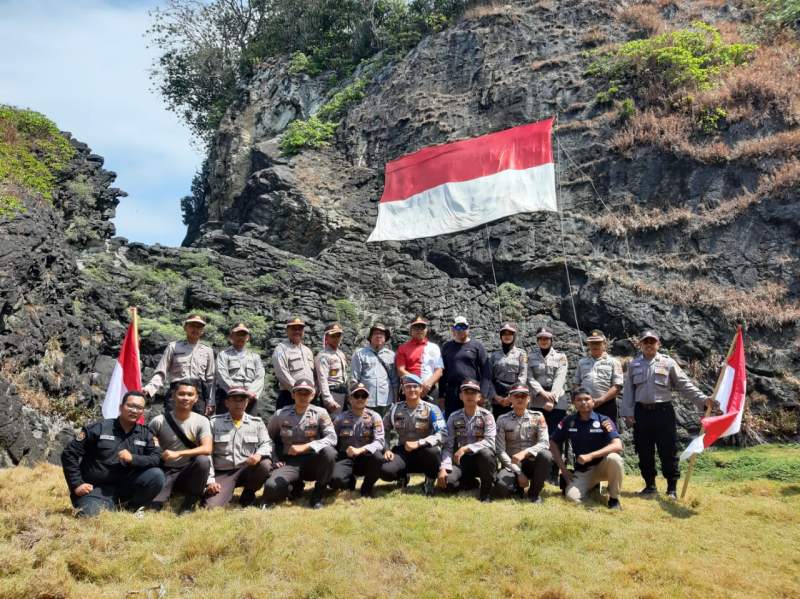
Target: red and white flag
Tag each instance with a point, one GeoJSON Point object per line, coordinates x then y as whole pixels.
{"type": "Point", "coordinates": [460, 185]}
{"type": "Point", "coordinates": [730, 393]}
{"type": "Point", "coordinates": [127, 375]}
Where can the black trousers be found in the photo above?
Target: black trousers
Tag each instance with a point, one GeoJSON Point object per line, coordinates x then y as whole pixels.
{"type": "Point", "coordinates": [452, 401]}
{"type": "Point", "coordinates": [655, 430]}
{"type": "Point", "coordinates": [346, 469]}
{"type": "Point", "coordinates": [284, 399]}
{"type": "Point", "coordinates": [535, 469]}
{"type": "Point", "coordinates": [553, 417]}
{"type": "Point", "coordinates": [609, 409]}
{"type": "Point", "coordinates": [481, 465]}
{"type": "Point", "coordinates": [187, 480]}
{"type": "Point", "coordinates": [425, 460]}
{"type": "Point", "coordinates": [311, 466]}
{"type": "Point", "coordinates": [135, 491]}
{"type": "Point", "coordinates": [498, 410]}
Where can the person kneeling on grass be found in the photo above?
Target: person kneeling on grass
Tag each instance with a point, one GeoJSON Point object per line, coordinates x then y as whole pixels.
{"type": "Point", "coordinates": [522, 448]}
{"type": "Point", "coordinates": [242, 452]}
{"type": "Point", "coordinates": [361, 444]}
{"type": "Point", "coordinates": [113, 462]}
{"type": "Point", "coordinates": [469, 445]}
{"type": "Point", "coordinates": [597, 448]}
{"type": "Point", "coordinates": [307, 439]}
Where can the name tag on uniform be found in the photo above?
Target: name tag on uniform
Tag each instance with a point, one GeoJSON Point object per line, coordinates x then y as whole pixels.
{"type": "Point", "coordinates": [251, 438]}
{"type": "Point", "coordinates": [662, 371]}
{"type": "Point", "coordinates": [573, 430]}
{"type": "Point", "coordinates": [224, 438]}
{"type": "Point", "coordinates": [139, 442]}
{"type": "Point", "coordinates": [108, 438]}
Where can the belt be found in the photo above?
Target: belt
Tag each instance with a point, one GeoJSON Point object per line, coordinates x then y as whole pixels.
{"type": "Point", "coordinates": [661, 405]}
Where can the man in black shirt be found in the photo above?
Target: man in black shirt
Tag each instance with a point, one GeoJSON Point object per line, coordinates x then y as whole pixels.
{"type": "Point", "coordinates": [113, 462]}
{"type": "Point", "coordinates": [464, 359]}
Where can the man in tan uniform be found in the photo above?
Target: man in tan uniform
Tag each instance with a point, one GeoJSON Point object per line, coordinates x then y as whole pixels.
{"type": "Point", "coordinates": [186, 360]}
{"type": "Point", "coordinates": [239, 367]}
{"type": "Point", "coordinates": [601, 375]}
{"type": "Point", "coordinates": [331, 368]}
{"type": "Point", "coordinates": [292, 361]}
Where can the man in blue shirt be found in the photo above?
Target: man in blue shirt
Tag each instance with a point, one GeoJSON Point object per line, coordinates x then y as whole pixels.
{"type": "Point", "coordinates": [597, 448]}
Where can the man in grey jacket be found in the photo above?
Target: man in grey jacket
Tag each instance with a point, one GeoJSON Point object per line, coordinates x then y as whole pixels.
{"type": "Point", "coordinates": [373, 366]}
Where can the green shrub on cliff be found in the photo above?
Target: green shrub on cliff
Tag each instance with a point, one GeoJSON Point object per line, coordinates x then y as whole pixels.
{"type": "Point", "coordinates": [32, 152]}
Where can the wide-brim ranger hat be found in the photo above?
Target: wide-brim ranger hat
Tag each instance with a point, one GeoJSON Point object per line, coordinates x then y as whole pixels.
{"type": "Point", "coordinates": [379, 326]}
{"type": "Point", "coordinates": [295, 322]}
{"type": "Point", "coordinates": [303, 385]}
{"type": "Point", "coordinates": [649, 334]}
{"type": "Point", "coordinates": [595, 335]}
{"type": "Point", "coordinates": [334, 329]}
{"type": "Point", "coordinates": [470, 384]}
{"type": "Point", "coordinates": [507, 326]}
{"type": "Point", "coordinates": [360, 388]}
{"type": "Point", "coordinates": [238, 391]}
{"type": "Point", "coordinates": [418, 320]}
{"type": "Point", "coordinates": [544, 332]}
{"type": "Point", "coordinates": [519, 389]}
{"type": "Point", "coordinates": [194, 319]}
{"type": "Point", "coordinates": [240, 328]}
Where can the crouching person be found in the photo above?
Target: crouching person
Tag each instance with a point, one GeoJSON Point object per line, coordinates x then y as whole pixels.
{"type": "Point", "coordinates": [361, 444]}
{"type": "Point", "coordinates": [307, 440]}
{"type": "Point", "coordinates": [242, 452]}
{"type": "Point", "coordinates": [186, 443]}
{"type": "Point", "coordinates": [469, 445]}
{"type": "Point", "coordinates": [597, 448]}
{"type": "Point", "coordinates": [113, 462]}
{"type": "Point", "coordinates": [522, 448]}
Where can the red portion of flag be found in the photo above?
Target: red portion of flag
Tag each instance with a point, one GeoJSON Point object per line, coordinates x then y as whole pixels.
{"type": "Point", "coordinates": [518, 148]}
{"type": "Point", "coordinates": [129, 359]}
{"type": "Point", "coordinates": [716, 426]}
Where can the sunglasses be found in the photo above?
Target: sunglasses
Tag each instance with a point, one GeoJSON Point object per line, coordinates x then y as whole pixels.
{"type": "Point", "coordinates": [461, 327]}
{"type": "Point", "coordinates": [359, 396]}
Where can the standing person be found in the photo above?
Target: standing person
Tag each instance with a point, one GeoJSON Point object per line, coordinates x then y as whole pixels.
{"type": "Point", "coordinates": [239, 367]}
{"type": "Point", "coordinates": [186, 443]}
{"type": "Point", "coordinates": [509, 367]}
{"type": "Point", "coordinates": [113, 462]}
{"type": "Point", "coordinates": [647, 407]}
{"type": "Point", "coordinates": [420, 428]}
{"type": "Point", "coordinates": [601, 375]}
{"type": "Point", "coordinates": [522, 447]}
{"type": "Point", "coordinates": [463, 358]}
{"type": "Point", "coordinates": [469, 445]}
{"type": "Point", "coordinates": [359, 431]}
{"type": "Point", "coordinates": [597, 447]}
{"type": "Point", "coordinates": [420, 357]}
{"type": "Point", "coordinates": [292, 361]}
{"type": "Point", "coordinates": [373, 366]}
{"type": "Point", "coordinates": [242, 454]}
{"type": "Point", "coordinates": [547, 374]}
{"type": "Point", "coordinates": [186, 360]}
{"type": "Point", "coordinates": [331, 367]}
{"type": "Point", "coordinates": [307, 440]}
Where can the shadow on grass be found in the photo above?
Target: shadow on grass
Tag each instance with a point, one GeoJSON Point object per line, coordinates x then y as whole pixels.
{"type": "Point", "coordinates": [790, 490]}
{"type": "Point", "coordinates": [676, 509]}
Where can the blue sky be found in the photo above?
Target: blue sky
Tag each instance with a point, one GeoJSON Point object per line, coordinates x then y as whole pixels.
{"type": "Point", "coordinates": [84, 63]}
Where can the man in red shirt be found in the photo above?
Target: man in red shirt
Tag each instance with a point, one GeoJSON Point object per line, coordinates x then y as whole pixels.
{"type": "Point", "coordinates": [420, 357]}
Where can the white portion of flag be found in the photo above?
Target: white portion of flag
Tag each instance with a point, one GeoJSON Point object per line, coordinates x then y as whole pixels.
{"type": "Point", "coordinates": [115, 392]}
{"type": "Point", "coordinates": [696, 446]}
{"type": "Point", "coordinates": [466, 204]}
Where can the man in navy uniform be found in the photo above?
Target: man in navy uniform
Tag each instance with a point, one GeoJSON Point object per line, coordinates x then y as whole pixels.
{"type": "Point", "coordinates": [114, 462]}
{"type": "Point", "coordinates": [597, 448]}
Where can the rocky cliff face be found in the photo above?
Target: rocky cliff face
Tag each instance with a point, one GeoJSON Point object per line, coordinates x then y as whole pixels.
{"type": "Point", "coordinates": [286, 236]}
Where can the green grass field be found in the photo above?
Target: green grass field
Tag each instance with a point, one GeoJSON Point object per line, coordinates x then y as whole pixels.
{"type": "Point", "coordinates": [737, 535]}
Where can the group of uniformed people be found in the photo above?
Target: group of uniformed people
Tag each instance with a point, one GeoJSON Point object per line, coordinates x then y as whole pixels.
{"type": "Point", "coordinates": [380, 420]}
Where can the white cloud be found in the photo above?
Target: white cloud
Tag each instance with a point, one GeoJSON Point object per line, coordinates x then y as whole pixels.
{"type": "Point", "coordinates": [85, 64]}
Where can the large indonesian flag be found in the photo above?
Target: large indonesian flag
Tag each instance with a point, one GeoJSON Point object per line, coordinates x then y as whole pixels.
{"type": "Point", "coordinates": [730, 393]}
{"type": "Point", "coordinates": [457, 186]}
{"type": "Point", "coordinates": [126, 376]}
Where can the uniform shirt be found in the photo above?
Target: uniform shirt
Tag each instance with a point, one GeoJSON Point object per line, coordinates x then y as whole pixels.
{"type": "Point", "coordinates": [359, 431]}
{"type": "Point", "coordinates": [547, 373]}
{"type": "Point", "coordinates": [331, 367]}
{"type": "Point", "coordinates": [585, 436]}
{"type": "Point", "coordinates": [419, 357]}
{"type": "Point", "coordinates": [182, 360]}
{"type": "Point", "coordinates": [423, 423]}
{"type": "Point", "coordinates": [292, 362]}
{"type": "Point", "coordinates": [598, 375]}
{"type": "Point", "coordinates": [462, 361]}
{"type": "Point", "coordinates": [520, 433]}
{"type": "Point", "coordinates": [652, 381]}
{"type": "Point", "coordinates": [233, 445]}
{"type": "Point", "coordinates": [240, 369]}
{"type": "Point", "coordinates": [476, 432]}
{"type": "Point", "coordinates": [93, 456]}
{"type": "Point", "coordinates": [313, 426]}
{"type": "Point", "coordinates": [196, 427]}
{"type": "Point", "coordinates": [380, 382]}
{"type": "Point", "coordinates": [508, 369]}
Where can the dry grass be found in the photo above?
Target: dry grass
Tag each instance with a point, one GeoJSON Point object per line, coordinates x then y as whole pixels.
{"type": "Point", "coordinates": [644, 18]}
{"type": "Point", "coordinates": [403, 545]}
{"type": "Point", "coordinates": [486, 8]}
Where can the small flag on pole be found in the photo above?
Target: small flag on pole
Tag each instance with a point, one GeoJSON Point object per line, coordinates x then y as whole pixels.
{"type": "Point", "coordinates": [127, 375]}
{"type": "Point", "coordinates": [730, 393]}
{"type": "Point", "coordinates": [458, 186]}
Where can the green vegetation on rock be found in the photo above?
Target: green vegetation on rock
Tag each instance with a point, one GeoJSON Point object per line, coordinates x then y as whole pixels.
{"type": "Point", "coordinates": [32, 153]}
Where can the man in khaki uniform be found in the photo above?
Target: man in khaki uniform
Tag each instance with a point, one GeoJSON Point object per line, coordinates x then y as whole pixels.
{"type": "Point", "coordinates": [242, 452]}
{"type": "Point", "coordinates": [186, 360]}
{"type": "Point", "coordinates": [331, 367]}
{"type": "Point", "coordinates": [509, 367]}
{"type": "Point", "coordinates": [547, 375]}
{"type": "Point", "coordinates": [239, 367]}
{"type": "Point", "coordinates": [601, 375]}
{"type": "Point", "coordinates": [292, 361]}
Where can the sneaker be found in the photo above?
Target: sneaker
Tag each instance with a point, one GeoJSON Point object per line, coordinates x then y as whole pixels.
{"type": "Point", "coordinates": [535, 499]}
{"type": "Point", "coordinates": [672, 494]}
{"type": "Point", "coordinates": [247, 498]}
{"type": "Point", "coordinates": [648, 491]}
{"type": "Point", "coordinates": [614, 504]}
{"type": "Point", "coordinates": [316, 500]}
{"type": "Point", "coordinates": [369, 493]}
{"type": "Point", "coordinates": [427, 487]}
{"type": "Point", "coordinates": [139, 513]}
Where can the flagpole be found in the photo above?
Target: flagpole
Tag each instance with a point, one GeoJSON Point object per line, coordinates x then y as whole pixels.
{"type": "Point", "coordinates": [708, 412]}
